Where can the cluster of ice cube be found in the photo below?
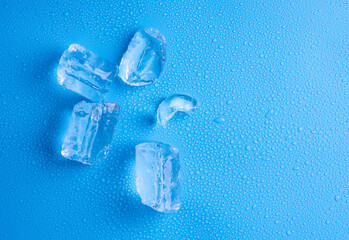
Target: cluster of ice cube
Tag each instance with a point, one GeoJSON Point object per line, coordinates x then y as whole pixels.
{"type": "Point", "coordinates": [92, 124]}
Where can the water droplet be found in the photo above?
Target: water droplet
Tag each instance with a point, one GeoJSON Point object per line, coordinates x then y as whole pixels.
{"type": "Point", "coordinates": [219, 120]}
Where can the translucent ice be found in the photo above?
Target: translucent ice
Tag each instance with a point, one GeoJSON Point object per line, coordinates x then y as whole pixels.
{"type": "Point", "coordinates": [84, 72]}
{"type": "Point", "coordinates": [90, 131]}
{"type": "Point", "coordinates": [176, 103]}
{"type": "Point", "coordinates": [157, 172]}
{"type": "Point", "coordinates": [144, 59]}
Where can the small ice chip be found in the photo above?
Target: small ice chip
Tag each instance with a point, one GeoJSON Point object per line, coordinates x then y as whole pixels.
{"type": "Point", "coordinates": [90, 132]}
{"type": "Point", "coordinates": [158, 176]}
{"type": "Point", "coordinates": [144, 59]}
{"type": "Point", "coordinates": [85, 73]}
{"type": "Point", "coordinates": [176, 103]}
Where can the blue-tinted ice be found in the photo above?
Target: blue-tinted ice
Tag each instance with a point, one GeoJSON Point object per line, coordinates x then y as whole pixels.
{"type": "Point", "coordinates": [158, 176]}
{"type": "Point", "coordinates": [90, 131]}
{"type": "Point", "coordinates": [144, 59]}
{"type": "Point", "coordinates": [173, 104]}
{"type": "Point", "coordinates": [84, 72]}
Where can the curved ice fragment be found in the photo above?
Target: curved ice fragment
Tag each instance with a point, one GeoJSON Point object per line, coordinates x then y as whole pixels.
{"type": "Point", "coordinates": [176, 103]}
{"type": "Point", "coordinates": [144, 59]}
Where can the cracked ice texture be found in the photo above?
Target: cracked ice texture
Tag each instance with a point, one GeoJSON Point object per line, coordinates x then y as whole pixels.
{"type": "Point", "coordinates": [85, 73]}
{"type": "Point", "coordinates": [158, 176]}
{"type": "Point", "coordinates": [173, 104]}
{"type": "Point", "coordinates": [90, 132]}
{"type": "Point", "coordinates": [144, 59]}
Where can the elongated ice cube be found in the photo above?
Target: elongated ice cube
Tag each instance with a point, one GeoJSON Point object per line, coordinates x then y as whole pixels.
{"type": "Point", "coordinates": [173, 104]}
{"type": "Point", "coordinates": [90, 132]}
{"type": "Point", "coordinates": [158, 176]}
{"type": "Point", "coordinates": [144, 59]}
{"type": "Point", "coordinates": [85, 73]}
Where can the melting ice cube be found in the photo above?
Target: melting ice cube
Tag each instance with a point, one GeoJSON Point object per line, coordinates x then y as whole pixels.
{"type": "Point", "coordinates": [144, 59]}
{"type": "Point", "coordinates": [90, 131]}
{"type": "Point", "coordinates": [173, 104]}
{"type": "Point", "coordinates": [85, 73]}
{"type": "Point", "coordinates": [158, 176]}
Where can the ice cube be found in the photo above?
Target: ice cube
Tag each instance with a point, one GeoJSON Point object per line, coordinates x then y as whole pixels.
{"type": "Point", "coordinates": [173, 104]}
{"type": "Point", "coordinates": [144, 59]}
{"type": "Point", "coordinates": [85, 73]}
{"type": "Point", "coordinates": [90, 131]}
{"type": "Point", "coordinates": [158, 176]}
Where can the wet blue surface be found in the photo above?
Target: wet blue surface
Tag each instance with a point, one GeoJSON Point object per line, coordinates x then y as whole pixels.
{"type": "Point", "coordinates": [264, 157]}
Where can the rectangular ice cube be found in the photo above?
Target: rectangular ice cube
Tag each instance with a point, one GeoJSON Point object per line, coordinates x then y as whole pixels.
{"type": "Point", "coordinates": [85, 73]}
{"type": "Point", "coordinates": [158, 176]}
{"type": "Point", "coordinates": [144, 59]}
{"type": "Point", "coordinates": [90, 132]}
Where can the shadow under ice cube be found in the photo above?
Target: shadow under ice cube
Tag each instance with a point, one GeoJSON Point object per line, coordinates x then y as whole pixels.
{"type": "Point", "coordinates": [158, 176]}
{"type": "Point", "coordinates": [85, 73]}
{"type": "Point", "coordinates": [90, 132]}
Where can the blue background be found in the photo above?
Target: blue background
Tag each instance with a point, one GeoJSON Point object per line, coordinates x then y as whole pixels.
{"type": "Point", "coordinates": [264, 157]}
